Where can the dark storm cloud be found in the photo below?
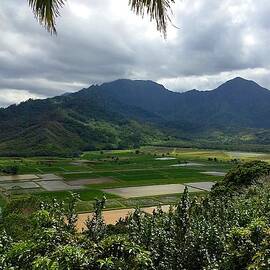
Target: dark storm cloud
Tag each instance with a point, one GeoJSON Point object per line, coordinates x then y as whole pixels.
{"type": "Point", "coordinates": [101, 40]}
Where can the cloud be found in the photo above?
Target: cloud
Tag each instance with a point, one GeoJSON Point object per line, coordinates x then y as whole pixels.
{"type": "Point", "coordinates": [102, 40]}
{"type": "Point", "coordinates": [212, 81]}
{"type": "Point", "coordinates": [12, 96]}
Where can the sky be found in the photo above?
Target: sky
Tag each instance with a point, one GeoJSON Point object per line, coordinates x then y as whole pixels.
{"type": "Point", "coordinates": [102, 40]}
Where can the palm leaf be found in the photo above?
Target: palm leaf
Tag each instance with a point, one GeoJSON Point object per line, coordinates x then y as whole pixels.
{"type": "Point", "coordinates": [156, 9]}
{"type": "Point", "coordinates": [46, 11]}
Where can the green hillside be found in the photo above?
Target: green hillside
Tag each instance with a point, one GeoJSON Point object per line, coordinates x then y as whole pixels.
{"type": "Point", "coordinates": [126, 114]}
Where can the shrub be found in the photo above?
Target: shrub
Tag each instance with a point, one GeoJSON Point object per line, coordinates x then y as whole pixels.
{"type": "Point", "coordinates": [204, 233]}
{"type": "Point", "coordinates": [13, 170]}
{"type": "Point", "coordinates": [247, 173]}
{"type": "Point", "coordinates": [242, 176]}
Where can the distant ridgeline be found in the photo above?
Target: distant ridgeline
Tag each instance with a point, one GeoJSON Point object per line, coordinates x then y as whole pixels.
{"type": "Point", "coordinates": [126, 113]}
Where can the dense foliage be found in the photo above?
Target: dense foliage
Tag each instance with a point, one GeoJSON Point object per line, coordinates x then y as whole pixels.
{"type": "Point", "coordinates": [209, 232]}
{"type": "Point", "coordinates": [247, 173]}
{"type": "Point", "coordinates": [12, 169]}
{"type": "Point", "coordinates": [242, 176]}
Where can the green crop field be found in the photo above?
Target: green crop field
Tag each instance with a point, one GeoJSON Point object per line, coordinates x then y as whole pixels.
{"type": "Point", "coordinates": [125, 168]}
{"type": "Point", "coordinates": [2, 200]}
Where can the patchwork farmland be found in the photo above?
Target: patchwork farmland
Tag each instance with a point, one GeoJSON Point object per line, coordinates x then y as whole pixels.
{"type": "Point", "coordinates": [146, 177]}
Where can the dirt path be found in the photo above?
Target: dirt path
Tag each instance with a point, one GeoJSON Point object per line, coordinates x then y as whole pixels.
{"type": "Point", "coordinates": [112, 216]}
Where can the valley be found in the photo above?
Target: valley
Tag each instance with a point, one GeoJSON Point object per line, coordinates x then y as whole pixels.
{"type": "Point", "coordinates": [144, 177]}
{"type": "Point", "coordinates": [134, 135]}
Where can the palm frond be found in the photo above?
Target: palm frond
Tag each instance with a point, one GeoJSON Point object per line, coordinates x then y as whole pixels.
{"type": "Point", "coordinates": [46, 12]}
{"type": "Point", "coordinates": [157, 10]}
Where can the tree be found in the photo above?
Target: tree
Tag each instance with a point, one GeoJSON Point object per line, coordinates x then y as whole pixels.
{"type": "Point", "coordinates": [46, 11]}
{"type": "Point", "coordinates": [246, 174]}
{"type": "Point", "coordinates": [13, 169]}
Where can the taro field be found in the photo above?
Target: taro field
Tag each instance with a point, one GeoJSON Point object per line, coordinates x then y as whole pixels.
{"type": "Point", "coordinates": [145, 177]}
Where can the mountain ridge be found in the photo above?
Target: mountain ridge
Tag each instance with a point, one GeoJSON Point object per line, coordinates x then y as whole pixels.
{"type": "Point", "coordinates": [129, 113]}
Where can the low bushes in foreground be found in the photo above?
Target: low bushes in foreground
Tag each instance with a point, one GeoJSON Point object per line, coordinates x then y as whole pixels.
{"type": "Point", "coordinates": [211, 232]}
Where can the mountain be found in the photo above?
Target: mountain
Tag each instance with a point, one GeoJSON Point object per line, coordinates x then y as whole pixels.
{"type": "Point", "coordinates": [127, 113]}
{"type": "Point", "coordinates": [236, 102]}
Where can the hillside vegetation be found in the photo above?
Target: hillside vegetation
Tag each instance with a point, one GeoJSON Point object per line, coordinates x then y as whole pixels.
{"type": "Point", "coordinates": [127, 113]}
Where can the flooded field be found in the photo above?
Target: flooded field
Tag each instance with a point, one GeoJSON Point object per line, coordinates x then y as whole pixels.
{"type": "Point", "coordinates": [188, 164]}
{"type": "Point", "coordinates": [165, 158]}
{"type": "Point", "coordinates": [215, 173]}
{"type": "Point", "coordinates": [239, 155]}
{"type": "Point", "coordinates": [57, 186]}
{"type": "Point", "coordinates": [143, 191]}
{"type": "Point", "coordinates": [93, 181]}
{"type": "Point", "coordinates": [6, 178]}
{"type": "Point", "coordinates": [22, 185]}
{"type": "Point", "coordinates": [202, 185]}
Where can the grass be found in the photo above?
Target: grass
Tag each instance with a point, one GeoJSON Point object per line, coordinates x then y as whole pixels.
{"type": "Point", "coordinates": [83, 206]}
{"type": "Point", "coordinates": [168, 199]}
{"type": "Point", "coordinates": [75, 176]}
{"type": "Point", "coordinates": [140, 202]}
{"type": "Point", "coordinates": [91, 194]}
{"type": "Point", "coordinates": [59, 195]}
{"type": "Point", "coordinates": [112, 204]}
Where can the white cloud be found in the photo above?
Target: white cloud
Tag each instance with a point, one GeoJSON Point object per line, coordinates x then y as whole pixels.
{"type": "Point", "coordinates": [102, 40]}
{"type": "Point", "coordinates": [209, 82]}
{"type": "Point", "coordinates": [14, 96]}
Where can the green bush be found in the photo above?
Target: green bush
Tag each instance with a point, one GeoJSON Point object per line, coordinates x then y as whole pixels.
{"type": "Point", "coordinates": [242, 176]}
{"type": "Point", "coordinates": [204, 233]}
{"type": "Point", "coordinates": [24, 204]}
{"type": "Point", "coordinates": [13, 170]}
{"type": "Point", "coordinates": [247, 173]}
